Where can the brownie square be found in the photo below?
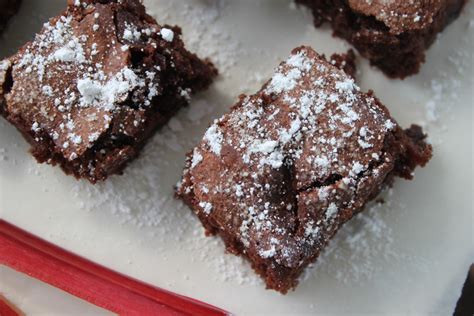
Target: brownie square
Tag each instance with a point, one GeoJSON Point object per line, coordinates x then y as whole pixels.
{"type": "Point", "coordinates": [278, 175]}
{"type": "Point", "coordinates": [393, 35]}
{"type": "Point", "coordinates": [96, 83]}
{"type": "Point", "coordinates": [8, 8]}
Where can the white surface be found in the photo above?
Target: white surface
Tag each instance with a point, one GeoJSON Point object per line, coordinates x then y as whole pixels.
{"type": "Point", "coordinates": [411, 254]}
{"type": "Point", "coordinates": [37, 298]}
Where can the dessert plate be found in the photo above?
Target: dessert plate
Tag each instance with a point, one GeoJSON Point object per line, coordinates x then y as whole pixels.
{"type": "Point", "coordinates": [406, 255]}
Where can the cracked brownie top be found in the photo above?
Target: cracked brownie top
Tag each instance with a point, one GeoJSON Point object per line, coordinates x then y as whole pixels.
{"type": "Point", "coordinates": [289, 164]}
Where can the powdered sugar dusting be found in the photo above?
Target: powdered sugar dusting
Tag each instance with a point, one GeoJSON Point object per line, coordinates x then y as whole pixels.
{"type": "Point", "coordinates": [214, 139]}
{"type": "Point", "coordinates": [446, 83]}
{"type": "Point", "coordinates": [167, 34]}
{"type": "Point", "coordinates": [200, 34]}
{"type": "Point", "coordinates": [304, 120]}
{"type": "Point", "coordinates": [359, 247]}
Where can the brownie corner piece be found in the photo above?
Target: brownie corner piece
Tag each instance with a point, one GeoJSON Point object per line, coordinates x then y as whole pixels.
{"type": "Point", "coordinates": [393, 35]}
{"type": "Point", "coordinates": [278, 175]}
{"type": "Point", "coordinates": [8, 8]}
{"type": "Point", "coordinates": [95, 84]}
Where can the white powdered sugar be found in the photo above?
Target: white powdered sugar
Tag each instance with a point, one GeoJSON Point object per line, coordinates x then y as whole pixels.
{"type": "Point", "coordinates": [90, 90]}
{"type": "Point", "coordinates": [68, 54]}
{"type": "Point", "coordinates": [331, 211]}
{"type": "Point", "coordinates": [206, 207]}
{"type": "Point", "coordinates": [347, 85]}
{"type": "Point", "coordinates": [35, 127]}
{"type": "Point", "coordinates": [444, 86]}
{"type": "Point", "coordinates": [263, 147]}
{"type": "Point", "coordinates": [357, 168]}
{"type": "Point", "coordinates": [94, 93]}
{"type": "Point", "coordinates": [287, 80]}
{"type": "Point", "coordinates": [359, 247]}
{"type": "Point", "coordinates": [268, 253]}
{"type": "Point", "coordinates": [167, 34]}
{"type": "Point", "coordinates": [131, 33]}
{"type": "Point", "coordinates": [214, 138]}
{"type": "Point", "coordinates": [197, 158]}
{"type": "Point", "coordinates": [284, 82]}
{"type": "Point", "coordinates": [201, 33]}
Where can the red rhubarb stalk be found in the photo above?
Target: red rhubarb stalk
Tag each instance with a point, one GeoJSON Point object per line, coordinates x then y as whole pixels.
{"type": "Point", "coordinates": [85, 279]}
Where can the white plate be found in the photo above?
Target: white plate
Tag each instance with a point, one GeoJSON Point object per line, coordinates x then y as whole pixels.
{"type": "Point", "coordinates": [408, 256]}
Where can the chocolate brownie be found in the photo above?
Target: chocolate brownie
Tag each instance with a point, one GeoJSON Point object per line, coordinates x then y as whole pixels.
{"type": "Point", "coordinates": [95, 83]}
{"type": "Point", "coordinates": [8, 8]}
{"type": "Point", "coordinates": [393, 35]}
{"type": "Point", "coordinates": [278, 175]}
